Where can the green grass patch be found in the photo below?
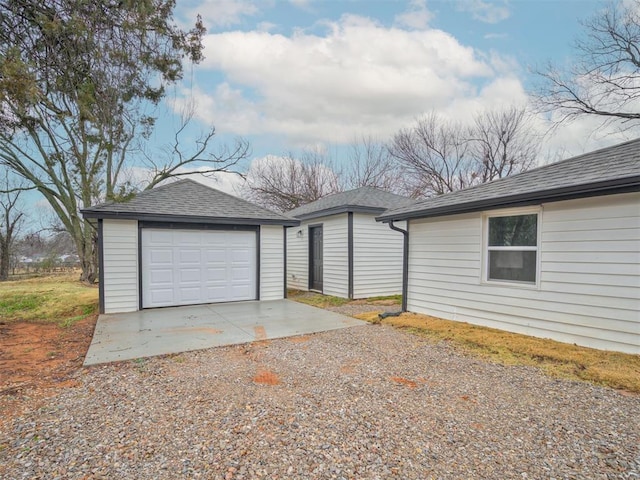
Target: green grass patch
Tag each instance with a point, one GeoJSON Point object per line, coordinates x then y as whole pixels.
{"type": "Point", "coordinates": [60, 299]}
{"type": "Point", "coordinates": [561, 360]}
{"type": "Point", "coordinates": [316, 299]}
{"type": "Point", "coordinates": [388, 298]}
{"type": "Point", "coordinates": [19, 302]}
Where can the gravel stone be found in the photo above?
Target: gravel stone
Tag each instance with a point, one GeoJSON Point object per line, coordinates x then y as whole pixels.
{"type": "Point", "coordinates": [368, 402]}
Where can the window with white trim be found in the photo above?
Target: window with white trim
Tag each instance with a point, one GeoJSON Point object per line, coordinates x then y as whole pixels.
{"type": "Point", "coordinates": [512, 248]}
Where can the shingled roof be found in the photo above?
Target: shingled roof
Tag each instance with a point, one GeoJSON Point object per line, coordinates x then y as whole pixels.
{"type": "Point", "coordinates": [610, 170]}
{"type": "Point", "coordinates": [360, 200]}
{"type": "Point", "coordinates": [188, 201]}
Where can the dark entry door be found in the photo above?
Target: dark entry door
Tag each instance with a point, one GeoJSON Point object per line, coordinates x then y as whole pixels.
{"type": "Point", "coordinates": [315, 258]}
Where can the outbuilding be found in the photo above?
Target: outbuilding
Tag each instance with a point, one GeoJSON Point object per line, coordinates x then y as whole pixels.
{"type": "Point", "coordinates": [185, 243]}
{"type": "Point", "coordinates": [553, 252]}
{"type": "Point", "coordinates": [339, 249]}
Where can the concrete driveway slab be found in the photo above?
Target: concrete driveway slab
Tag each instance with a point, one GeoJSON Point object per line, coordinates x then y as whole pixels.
{"type": "Point", "coordinates": [162, 331]}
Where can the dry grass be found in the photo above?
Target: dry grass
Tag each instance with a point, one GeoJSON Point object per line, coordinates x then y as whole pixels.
{"type": "Point", "coordinates": [612, 369]}
{"type": "Point", "coordinates": [58, 299]}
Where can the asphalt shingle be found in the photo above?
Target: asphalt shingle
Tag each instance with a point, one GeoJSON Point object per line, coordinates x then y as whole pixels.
{"type": "Point", "coordinates": [605, 170]}
{"type": "Point", "coordinates": [189, 200]}
{"type": "Point", "coordinates": [368, 199]}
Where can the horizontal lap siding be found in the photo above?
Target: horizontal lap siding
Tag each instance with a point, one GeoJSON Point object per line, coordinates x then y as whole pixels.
{"type": "Point", "coordinates": [271, 262]}
{"type": "Point", "coordinates": [589, 290]}
{"type": "Point", "coordinates": [335, 255]}
{"type": "Point", "coordinates": [298, 257]}
{"type": "Point", "coordinates": [120, 253]}
{"type": "Point", "coordinates": [377, 258]}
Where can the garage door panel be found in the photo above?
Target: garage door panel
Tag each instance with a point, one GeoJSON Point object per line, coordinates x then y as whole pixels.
{"type": "Point", "coordinates": [241, 274]}
{"type": "Point", "coordinates": [187, 238]}
{"type": "Point", "coordinates": [160, 237]}
{"type": "Point", "coordinates": [241, 255]}
{"type": "Point", "coordinates": [162, 296]}
{"type": "Point", "coordinates": [215, 255]}
{"type": "Point", "coordinates": [190, 294]}
{"type": "Point", "coordinates": [215, 293]}
{"type": "Point", "coordinates": [215, 275]}
{"type": "Point", "coordinates": [189, 276]}
{"type": "Point", "coordinates": [183, 267]}
{"type": "Point", "coordinates": [161, 256]}
{"type": "Point", "coordinates": [161, 277]}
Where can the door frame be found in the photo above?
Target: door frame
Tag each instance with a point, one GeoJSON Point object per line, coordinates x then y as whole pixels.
{"type": "Point", "coordinates": [310, 229]}
{"type": "Point", "coordinates": [194, 226]}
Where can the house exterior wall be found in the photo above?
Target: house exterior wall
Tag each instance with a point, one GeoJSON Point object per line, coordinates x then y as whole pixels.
{"type": "Point", "coordinates": [335, 255]}
{"type": "Point", "coordinates": [588, 292]}
{"type": "Point", "coordinates": [120, 269]}
{"type": "Point", "coordinates": [377, 257]}
{"type": "Point", "coordinates": [271, 262]}
{"type": "Point", "coordinates": [298, 257]}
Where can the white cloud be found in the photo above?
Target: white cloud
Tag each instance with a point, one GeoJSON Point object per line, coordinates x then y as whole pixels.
{"type": "Point", "coordinates": [224, 181]}
{"type": "Point", "coordinates": [357, 77]}
{"type": "Point", "coordinates": [417, 16]}
{"type": "Point", "coordinates": [486, 11]}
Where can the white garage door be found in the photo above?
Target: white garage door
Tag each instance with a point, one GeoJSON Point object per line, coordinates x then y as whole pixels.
{"type": "Point", "coordinates": [187, 267]}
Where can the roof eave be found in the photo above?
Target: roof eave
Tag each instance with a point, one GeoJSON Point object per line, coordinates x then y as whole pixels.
{"type": "Point", "coordinates": [608, 187]}
{"type": "Point", "coordinates": [341, 209]}
{"type": "Point", "coordinates": [153, 217]}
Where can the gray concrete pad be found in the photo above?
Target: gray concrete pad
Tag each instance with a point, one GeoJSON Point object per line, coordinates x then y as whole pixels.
{"type": "Point", "coordinates": [160, 331]}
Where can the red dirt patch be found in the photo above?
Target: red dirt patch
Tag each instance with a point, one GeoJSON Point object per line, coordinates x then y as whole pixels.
{"type": "Point", "coordinates": [266, 377]}
{"type": "Point", "coordinates": [39, 357]}
{"type": "Point", "coordinates": [404, 381]}
{"type": "Point", "coordinates": [300, 339]}
{"type": "Point", "coordinates": [260, 332]}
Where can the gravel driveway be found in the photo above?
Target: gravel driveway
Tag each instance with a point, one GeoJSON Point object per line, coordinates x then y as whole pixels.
{"type": "Point", "coordinates": [367, 402]}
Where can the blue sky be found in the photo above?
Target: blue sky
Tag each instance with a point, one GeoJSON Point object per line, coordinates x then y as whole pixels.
{"type": "Point", "coordinates": [317, 74]}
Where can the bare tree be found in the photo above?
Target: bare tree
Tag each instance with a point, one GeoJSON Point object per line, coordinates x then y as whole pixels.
{"type": "Point", "coordinates": [440, 156]}
{"type": "Point", "coordinates": [370, 164]}
{"type": "Point", "coordinates": [11, 219]}
{"type": "Point", "coordinates": [503, 142]}
{"type": "Point", "coordinates": [604, 81]}
{"type": "Point", "coordinates": [284, 183]}
{"type": "Point", "coordinates": [434, 155]}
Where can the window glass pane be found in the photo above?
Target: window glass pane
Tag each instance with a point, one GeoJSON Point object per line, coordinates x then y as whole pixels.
{"type": "Point", "coordinates": [513, 231]}
{"type": "Point", "coordinates": [512, 265]}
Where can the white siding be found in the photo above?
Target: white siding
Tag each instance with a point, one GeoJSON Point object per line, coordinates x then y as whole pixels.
{"type": "Point", "coordinates": [589, 289]}
{"type": "Point", "coordinates": [271, 262]}
{"type": "Point", "coordinates": [377, 257]}
{"type": "Point", "coordinates": [335, 279]}
{"type": "Point", "coordinates": [298, 257]}
{"type": "Point", "coordinates": [120, 251]}
{"type": "Point", "coordinates": [335, 255]}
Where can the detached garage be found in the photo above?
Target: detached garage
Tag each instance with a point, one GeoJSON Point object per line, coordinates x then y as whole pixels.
{"type": "Point", "coordinates": [186, 244]}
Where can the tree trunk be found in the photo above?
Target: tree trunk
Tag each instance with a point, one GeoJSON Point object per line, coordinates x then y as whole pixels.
{"type": "Point", "coordinates": [4, 261]}
{"type": "Point", "coordinates": [86, 244]}
{"type": "Point", "coordinates": [89, 269]}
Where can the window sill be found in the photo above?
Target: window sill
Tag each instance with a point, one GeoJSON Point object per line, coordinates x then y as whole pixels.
{"type": "Point", "coordinates": [506, 283]}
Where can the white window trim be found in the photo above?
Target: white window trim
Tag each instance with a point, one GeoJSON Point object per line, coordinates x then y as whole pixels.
{"type": "Point", "coordinates": [484, 279]}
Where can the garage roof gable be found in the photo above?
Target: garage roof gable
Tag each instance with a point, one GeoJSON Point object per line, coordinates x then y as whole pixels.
{"type": "Point", "coordinates": [188, 201]}
{"type": "Point", "coordinates": [361, 200]}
